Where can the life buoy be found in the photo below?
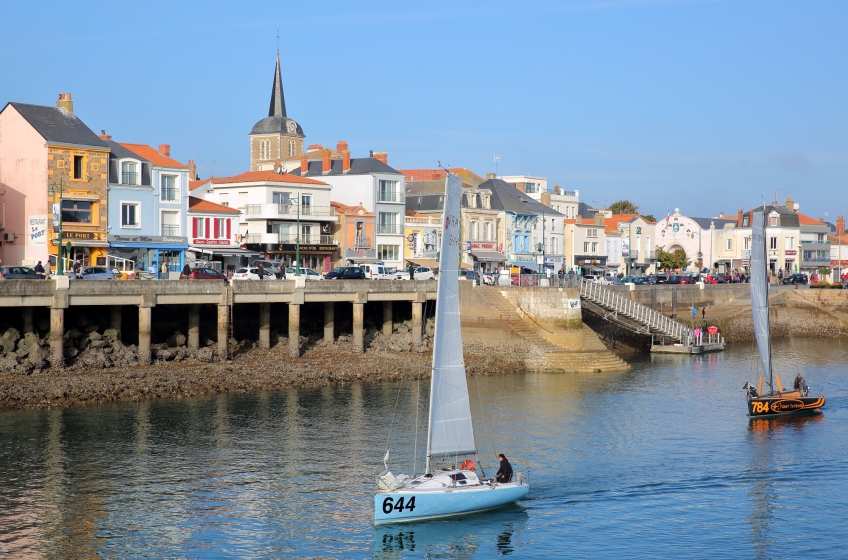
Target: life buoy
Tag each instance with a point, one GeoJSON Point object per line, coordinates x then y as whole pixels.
{"type": "Point", "coordinates": [468, 465]}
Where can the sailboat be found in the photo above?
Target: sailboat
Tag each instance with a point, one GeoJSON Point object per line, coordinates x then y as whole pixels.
{"type": "Point", "coordinates": [776, 401]}
{"type": "Point", "coordinates": [449, 488]}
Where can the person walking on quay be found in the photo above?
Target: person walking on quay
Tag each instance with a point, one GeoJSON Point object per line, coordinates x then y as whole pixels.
{"type": "Point", "coordinates": [39, 271]}
{"type": "Point", "coordinates": [411, 272]}
{"type": "Point", "coordinates": [561, 274]}
{"type": "Point", "coordinates": [77, 267]}
{"type": "Point", "coordinates": [186, 271]}
{"type": "Point", "coordinates": [260, 271]}
{"type": "Point", "coordinates": [694, 311]}
{"type": "Point", "coordinates": [703, 313]}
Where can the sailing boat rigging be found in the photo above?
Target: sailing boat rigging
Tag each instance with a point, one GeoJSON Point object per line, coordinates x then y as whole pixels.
{"type": "Point", "coordinates": [452, 489]}
{"type": "Point", "coordinates": [776, 401]}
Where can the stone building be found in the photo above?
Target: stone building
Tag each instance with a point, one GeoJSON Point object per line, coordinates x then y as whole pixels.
{"type": "Point", "coordinates": [276, 137]}
{"type": "Point", "coordinates": [48, 154]}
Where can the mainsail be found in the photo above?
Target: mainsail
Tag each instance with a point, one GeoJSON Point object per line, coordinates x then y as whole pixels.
{"type": "Point", "coordinates": [759, 292]}
{"type": "Point", "coordinates": [449, 431]}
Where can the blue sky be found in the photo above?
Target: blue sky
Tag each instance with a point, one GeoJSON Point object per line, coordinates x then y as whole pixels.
{"type": "Point", "coordinates": [703, 105]}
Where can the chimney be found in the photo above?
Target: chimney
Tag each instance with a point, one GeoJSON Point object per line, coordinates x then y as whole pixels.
{"type": "Point", "coordinates": [578, 218]}
{"type": "Point", "coordinates": [490, 176]}
{"type": "Point", "coordinates": [556, 188]}
{"type": "Point", "coordinates": [304, 164]}
{"type": "Point", "coordinates": [739, 212]}
{"type": "Point", "coordinates": [840, 226]}
{"type": "Point", "coordinates": [314, 147]}
{"type": "Point", "coordinates": [341, 146]}
{"type": "Point", "coordinates": [382, 156]}
{"type": "Point", "coordinates": [192, 170]}
{"type": "Point", "coordinates": [599, 219]}
{"type": "Point", "coordinates": [345, 160]}
{"type": "Point", "coordinates": [65, 102]}
{"type": "Point", "coordinates": [325, 158]}
{"type": "Point", "coordinates": [104, 136]}
{"type": "Point", "coordinates": [790, 204]}
{"type": "Point", "coordinates": [821, 219]}
{"type": "Point", "coordinates": [165, 150]}
{"type": "Point", "coordinates": [721, 214]}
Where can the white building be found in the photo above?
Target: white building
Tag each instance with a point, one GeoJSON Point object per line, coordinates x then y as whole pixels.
{"type": "Point", "coordinates": [585, 246]}
{"type": "Point", "coordinates": [214, 235]}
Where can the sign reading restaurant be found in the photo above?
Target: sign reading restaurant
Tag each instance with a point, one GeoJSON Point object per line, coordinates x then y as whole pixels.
{"type": "Point", "coordinates": [291, 247]}
{"type": "Point", "coordinates": [146, 239]}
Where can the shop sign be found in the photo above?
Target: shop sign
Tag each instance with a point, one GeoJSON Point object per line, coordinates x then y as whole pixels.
{"type": "Point", "coordinates": [790, 252]}
{"type": "Point", "coordinates": [79, 235]}
{"type": "Point", "coordinates": [147, 239]}
{"type": "Point", "coordinates": [291, 247]}
{"type": "Point", "coordinates": [211, 242]}
{"type": "Point", "coordinates": [37, 230]}
{"type": "Point", "coordinates": [487, 246]}
{"type": "Point", "coordinates": [835, 262]}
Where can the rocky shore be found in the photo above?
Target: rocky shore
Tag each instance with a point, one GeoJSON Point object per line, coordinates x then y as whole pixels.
{"type": "Point", "coordinates": [109, 372]}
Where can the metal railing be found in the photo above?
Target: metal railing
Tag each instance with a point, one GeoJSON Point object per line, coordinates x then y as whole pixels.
{"type": "Point", "coordinates": [169, 193]}
{"type": "Point", "coordinates": [389, 229]}
{"type": "Point", "coordinates": [286, 210]}
{"type": "Point", "coordinates": [389, 197]}
{"type": "Point", "coordinates": [633, 310]}
{"type": "Point", "coordinates": [129, 178]}
{"type": "Point", "coordinates": [290, 238]}
{"type": "Point", "coordinates": [170, 231]}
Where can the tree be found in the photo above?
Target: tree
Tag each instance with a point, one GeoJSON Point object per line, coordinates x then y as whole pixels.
{"type": "Point", "coordinates": [672, 260]}
{"type": "Point", "coordinates": [649, 218]}
{"type": "Point", "coordinates": [623, 207]}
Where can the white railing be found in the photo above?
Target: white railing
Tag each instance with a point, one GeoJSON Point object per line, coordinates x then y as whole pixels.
{"type": "Point", "coordinates": [285, 210]}
{"type": "Point", "coordinates": [416, 221]}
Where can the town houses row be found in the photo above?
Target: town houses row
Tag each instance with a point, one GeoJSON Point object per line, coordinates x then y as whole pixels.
{"type": "Point", "coordinates": [68, 193]}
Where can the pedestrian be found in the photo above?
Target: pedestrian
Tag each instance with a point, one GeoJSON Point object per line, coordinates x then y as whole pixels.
{"type": "Point", "coordinates": [703, 313]}
{"type": "Point", "coordinates": [561, 274]}
{"type": "Point", "coordinates": [164, 270]}
{"type": "Point", "coordinates": [186, 271]}
{"type": "Point", "coordinates": [411, 272]}
{"type": "Point", "coordinates": [694, 311]}
{"type": "Point", "coordinates": [260, 271]}
{"type": "Point", "coordinates": [77, 268]}
{"type": "Point", "coordinates": [39, 271]}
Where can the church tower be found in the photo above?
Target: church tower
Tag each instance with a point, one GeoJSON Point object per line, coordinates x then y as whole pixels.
{"type": "Point", "coordinates": [275, 137]}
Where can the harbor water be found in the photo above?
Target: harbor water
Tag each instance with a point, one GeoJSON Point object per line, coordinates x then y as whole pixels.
{"type": "Point", "coordinates": [658, 462]}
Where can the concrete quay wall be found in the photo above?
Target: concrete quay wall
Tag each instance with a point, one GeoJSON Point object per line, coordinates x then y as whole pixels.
{"type": "Point", "coordinates": [676, 300]}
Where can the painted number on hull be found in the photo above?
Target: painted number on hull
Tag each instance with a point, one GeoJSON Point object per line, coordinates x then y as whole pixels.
{"type": "Point", "coordinates": [760, 407]}
{"type": "Point", "coordinates": [389, 505]}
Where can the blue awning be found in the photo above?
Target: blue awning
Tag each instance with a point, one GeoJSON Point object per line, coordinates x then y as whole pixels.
{"type": "Point", "coordinates": [166, 246]}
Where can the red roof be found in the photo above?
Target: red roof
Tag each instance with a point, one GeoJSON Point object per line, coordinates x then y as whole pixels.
{"type": "Point", "coordinates": [194, 184]}
{"type": "Point", "coordinates": [808, 221]}
{"type": "Point", "coordinates": [266, 177]}
{"type": "Point", "coordinates": [199, 205]}
{"type": "Point", "coordinates": [345, 209]}
{"type": "Point", "coordinates": [152, 155]}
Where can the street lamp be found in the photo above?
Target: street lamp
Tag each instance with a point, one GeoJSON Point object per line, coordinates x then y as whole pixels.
{"type": "Point", "coordinates": [52, 192]}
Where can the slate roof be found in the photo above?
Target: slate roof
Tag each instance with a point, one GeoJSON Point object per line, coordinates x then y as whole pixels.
{"type": "Point", "coordinates": [58, 126]}
{"type": "Point", "coordinates": [508, 198]}
{"type": "Point", "coordinates": [276, 122]}
{"type": "Point", "coordinates": [585, 210]}
{"type": "Point", "coordinates": [436, 186]}
{"type": "Point", "coordinates": [358, 166]}
{"type": "Point", "coordinates": [788, 218]}
{"type": "Point", "coordinates": [199, 205]}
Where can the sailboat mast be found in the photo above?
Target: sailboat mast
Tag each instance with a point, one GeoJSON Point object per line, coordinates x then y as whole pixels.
{"type": "Point", "coordinates": [768, 315]}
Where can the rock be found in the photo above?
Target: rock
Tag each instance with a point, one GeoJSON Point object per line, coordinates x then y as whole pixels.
{"type": "Point", "coordinates": [162, 354]}
{"type": "Point", "coordinates": [209, 342]}
{"type": "Point", "coordinates": [117, 345]}
{"type": "Point", "coordinates": [6, 345]}
{"type": "Point", "coordinates": [12, 334]}
{"type": "Point", "coordinates": [8, 364]}
{"type": "Point", "coordinates": [72, 333]}
{"type": "Point", "coordinates": [22, 352]}
{"type": "Point", "coordinates": [99, 343]}
{"type": "Point", "coordinates": [110, 334]}
{"type": "Point", "coordinates": [92, 358]}
{"type": "Point", "coordinates": [91, 328]}
{"type": "Point", "coordinates": [83, 321]}
{"type": "Point", "coordinates": [94, 335]}
{"type": "Point", "coordinates": [205, 355]}
{"type": "Point", "coordinates": [38, 358]}
{"type": "Point", "coordinates": [68, 342]}
{"type": "Point", "coordinates": [402, 328]}
{"type": "Point", "coordinates": [177, 339]}
{"type": "Point", "coordinates": [71, 352]}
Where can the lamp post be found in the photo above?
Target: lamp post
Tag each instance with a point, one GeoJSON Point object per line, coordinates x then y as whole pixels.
{"type": "Point", "coordinates": [630, 252]}
{"type": "Point", "coordinates": [60, 269]}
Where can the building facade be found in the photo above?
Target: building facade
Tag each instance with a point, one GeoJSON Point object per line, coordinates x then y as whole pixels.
{"type": "Point", "coordinates": [213, 236]}
{"type": "Point", "coordinates": [275, 137]}
{"type": "Point", "coordinates": [354, 235]}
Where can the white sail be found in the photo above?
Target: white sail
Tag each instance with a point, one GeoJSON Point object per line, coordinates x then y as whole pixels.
{"type": "Point", "coordinates": [759, 292]}
{"type": "Point", "coordinates": [450, 431]}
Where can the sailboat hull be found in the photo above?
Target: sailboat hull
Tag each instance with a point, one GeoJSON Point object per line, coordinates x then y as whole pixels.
{"type": "Point", "coordinates": [394, 507]}
{"type": "Point", "coordinates": [782, 406]}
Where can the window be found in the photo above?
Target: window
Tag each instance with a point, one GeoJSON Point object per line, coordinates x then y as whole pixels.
{"type": "Point", "coordinates": [305, 233]}
{"type": "Point", "coordinates": [224, 199]}
{"type": "Point", "coordinates": [280, 198]}
{"type": "Point", "coordinates": [594, 247]}
{"type": "Point", "coordinates": [788, 243]}
{"type": "Point", "coordinates": [746, 243]}
{"type": "Point", "coordinates": [591, 232]}
{"type": "Point", "coordinates": [388, 223]}
{"type": "Point", "coordinates": [586, 247]}
{"type": "Point", "coordinates": [306, 205]}
{"type": "Point", "coordinates": [291, 147]}
{"type": "Point", "coordinates": [387, 191]}
{"type": "Point", "coordinates": [78, 211]}
{"type": "Point", "coordinates": [264, 149]}
{"type": "Point", "coordinates": [129, 173]}
{"type": "Point", "coordinates": [388, 252]}
{"type": "Point", "coordinates": [78, 167]}
{"type": "Point", "coordinates": [729, 245]}
{"type": "Point", "coordinates": [772, 220]}
{"type": "Point", "coordinates": [170, 224]}
{"type": "Point", "coordinates": [129, 214]}
{"type": "Point", "coordinates": [745, 221]}
{"type": "Point", "coordinates": [200, 225]}
{"type": "Point", "coordinates": [529, 187]}
{"type": "Point", "coordinates": [772, 242]}
{"type": "Point", "coordinates": [168, 187]}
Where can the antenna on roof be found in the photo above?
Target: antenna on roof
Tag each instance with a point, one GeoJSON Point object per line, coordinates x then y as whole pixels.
{"type": "Point", "coordinates": [278, 40]}
{"type": "Point", "coordinates": [213, 168]}
{"type": "Point", "coordinates": [445, 168]}
{"type": "Point", "coordinates": [497, 160]}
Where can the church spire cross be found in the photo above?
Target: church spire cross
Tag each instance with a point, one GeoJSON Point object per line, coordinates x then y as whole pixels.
{"type": "Point", "coordinates": [278, 101]}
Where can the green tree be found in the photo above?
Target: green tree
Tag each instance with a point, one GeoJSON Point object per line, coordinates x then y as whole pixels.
{"type": "Point", "coordinates": [673, 259]}
{"type": "Point", "coordinates": [623, 207]}
{"type": "Point", "coordinates": [649, 218]}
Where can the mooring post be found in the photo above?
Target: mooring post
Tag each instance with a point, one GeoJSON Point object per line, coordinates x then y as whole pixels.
{"type": "Point", "coordinates": [57, 337]}
{"type": "Point", "coordinates": [223, 323]}
{"type": "Point", "coordinates": [294, 329]}
{"type": "Point", "coordinates": [417, 314]}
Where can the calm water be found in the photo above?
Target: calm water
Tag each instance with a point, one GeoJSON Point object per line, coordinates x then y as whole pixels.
{"type": "Point", "coordinates": [660, 462]}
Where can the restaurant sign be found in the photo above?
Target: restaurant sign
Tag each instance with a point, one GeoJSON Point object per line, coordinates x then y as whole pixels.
{"type": "Point", "coordinates": [157, 239]}
{"type": "Point", "coordinates": [291, 247]}
{"type": "Point", "coordinates": [211, 242]}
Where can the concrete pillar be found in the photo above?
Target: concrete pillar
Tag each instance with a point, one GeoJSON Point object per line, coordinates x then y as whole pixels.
{"type": "Point", "coordinates": [358, 326]}
{"type": "Point", "coordinates": [115, 319]}
{"type": "Point", "coordinates": [57, 337]}
{"type": "Point", "coordinates": [417, 314]}
{"type": "Point", "coordinates": [294, 329]}
{"type": "Point", "coordinates": [265, 325]}
{"type": "Point", "coordinates": [673, 303]}
{"type": "Point", "coordinates": [387, 318]}
{"type": "Point", "coordinates": [223, 323]}
{"type": "Point", "coordinates": [145, 316]}
{"type": "Point", "coordinates": [329, 321]}
{"type": "Point", "coordinates": [194, 327]}
{"type": "Point", "coordinates": [27, 320]}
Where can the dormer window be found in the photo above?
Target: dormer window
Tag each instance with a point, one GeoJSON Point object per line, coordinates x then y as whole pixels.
{"type": "Point", "coordinates": [487, 201]}
{"type": "Point", "coordinates": [773, 220]}
{"type": "Point", "coordinates": [129, 173]}
{"type": "Point", "coordinates": [472, 201]}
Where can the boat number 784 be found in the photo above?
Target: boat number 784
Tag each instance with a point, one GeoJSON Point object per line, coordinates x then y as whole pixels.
{"type": "Point", "coordinates": [760, 407]}
{"type": "Point", "coordinates": [389, 505]}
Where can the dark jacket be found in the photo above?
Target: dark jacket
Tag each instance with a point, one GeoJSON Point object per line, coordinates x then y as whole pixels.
{"type": "Point", "coordinates": [39, 269]}
{"type": "Point", "coordinates": [504, 474]}
{"type": "Point", "coordinates": [411, 272]}
{"type": "Point", "coordinates": [186, 271]}
{"type": "Point", "coordinates": [261, 272]}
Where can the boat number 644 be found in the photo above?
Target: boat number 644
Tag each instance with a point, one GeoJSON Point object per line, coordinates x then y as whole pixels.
{"type": "Point", "coordinates": [389, 505]}
{"type": "Point", "coordinates": [760, 407]}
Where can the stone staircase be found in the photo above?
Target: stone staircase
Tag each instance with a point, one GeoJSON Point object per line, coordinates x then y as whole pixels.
{"type": "Point", "coordinates": [591, 358]}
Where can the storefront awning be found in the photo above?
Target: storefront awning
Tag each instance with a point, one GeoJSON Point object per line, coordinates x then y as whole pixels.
{"type": "Point", "coordinates": [488, 256]}
{"type": "Point", "coordinates": [165, 246]}
{"type": "Point", "coordinates": [227, 252]}
{"type": "Point", "coordinates": [85, 243]}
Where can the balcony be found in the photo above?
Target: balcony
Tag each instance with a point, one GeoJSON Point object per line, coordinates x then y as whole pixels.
{"type": "Point", "coordinates": [389, 197]}
{"type": "Point", "coordinates": [273, 211]}
{"type": "Point", "coordinates": [289, 239]}
{"type": "Point", "coordinates": [389, 229]}
{"type": "Point", "coordinates": [170, 194]}
{"type": "Point", "coordinates": [411, 221]}
{"type": "Point", "coordinates": [170, 231]}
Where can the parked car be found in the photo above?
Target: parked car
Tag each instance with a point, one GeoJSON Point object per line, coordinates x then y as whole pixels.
{"type": "Point", "coordinates": [308, 273]}
{"type": "Point", "coordinates": [489, 278]}
{"type": "Point", "coordinates": [593, 278]}
{"type": "Point", "coordinates": [17, 273]}
{"type": "Point", "coordinates": [251, 273]}
{"type": "Point", "coordinates": [274, 267]}
{"type": "Point", "coordinates": [203, 273]}
{"type": "Point", "coordinates": [93, 273]}
{"type": "Point", "coordinates": [421, 273]}
{"type": "Point", "coordinates": [345, 273]}
{"type": "Point", "coordinates": [686, 279]}
{"type": "Point", "coordinates": [470, 275]}
{"type": "Point", "coordinates": [795, 279]}
{"type": "Point", "coordinates": [376, 272]}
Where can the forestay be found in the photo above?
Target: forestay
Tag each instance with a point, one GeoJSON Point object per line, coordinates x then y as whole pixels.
{"type": "Point", "coordinates": [450, 429]}
{"type": "Point", "coordinates": [759, 292]}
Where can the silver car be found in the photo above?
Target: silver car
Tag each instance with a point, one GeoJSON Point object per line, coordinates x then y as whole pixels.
{"type": "Point", "coordinates": [17, 273]}
{"type": "Point", "coordinates": [93, 273]}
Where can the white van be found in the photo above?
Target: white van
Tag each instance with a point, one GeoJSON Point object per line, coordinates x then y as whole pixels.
{"type": "Point", "coordinates": [376, 272]}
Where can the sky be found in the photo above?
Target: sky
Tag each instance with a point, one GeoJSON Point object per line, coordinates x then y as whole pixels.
{"type": "Point", "coordinates": [702, 105]}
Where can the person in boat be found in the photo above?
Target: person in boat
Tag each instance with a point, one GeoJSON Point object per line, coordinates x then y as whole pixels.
{"type": "Point", "coordinates": [800, 384]}
{"type": "Point", "coordinates": [504, 473]}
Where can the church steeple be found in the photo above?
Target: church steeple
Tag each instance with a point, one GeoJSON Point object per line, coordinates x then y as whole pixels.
{"type": "Point", "coordinates": [278, 101]}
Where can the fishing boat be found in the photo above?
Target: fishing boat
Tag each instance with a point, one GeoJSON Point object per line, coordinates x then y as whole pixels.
{"type": "Point", "coordinates": [776, 401]}
{"type": "Point", "coordinates": [450, 485]}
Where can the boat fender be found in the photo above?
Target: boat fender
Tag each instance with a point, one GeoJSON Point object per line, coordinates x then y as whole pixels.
{"type": "Point", "coordinates": [468, 465]}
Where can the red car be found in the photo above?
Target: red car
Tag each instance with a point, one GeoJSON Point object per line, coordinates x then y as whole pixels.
{"type": "Point", "coordinates": [201, 273]}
